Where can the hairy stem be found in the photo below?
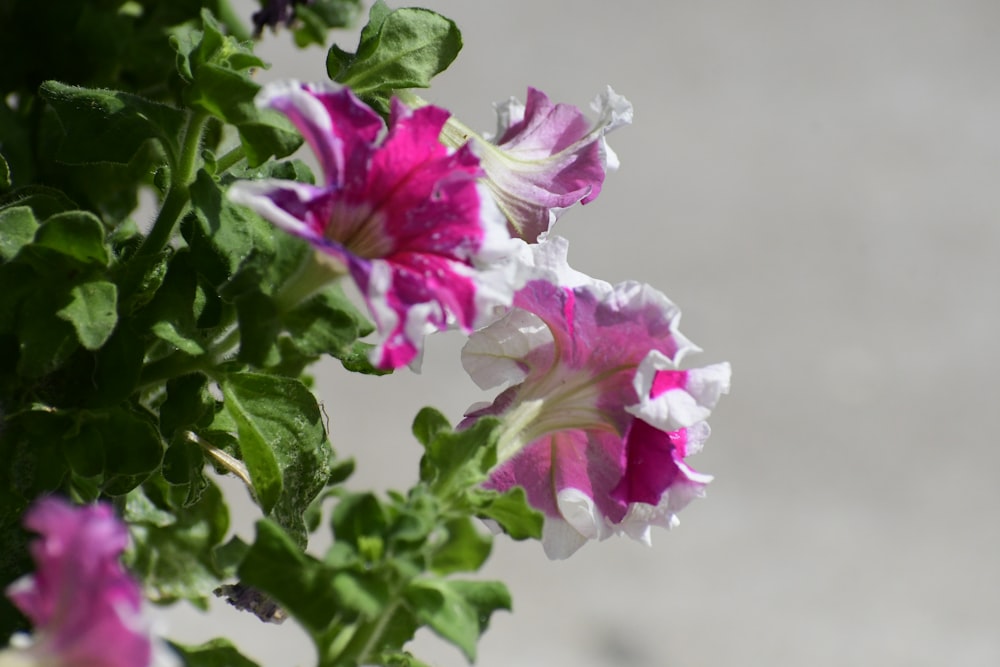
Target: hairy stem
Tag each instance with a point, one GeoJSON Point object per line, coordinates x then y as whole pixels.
{"type": "Point", "coordinates": [178, 197]}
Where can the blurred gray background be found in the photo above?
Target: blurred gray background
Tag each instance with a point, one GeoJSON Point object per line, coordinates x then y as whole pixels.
{"type": "Point", "coordinates": [815, 184]}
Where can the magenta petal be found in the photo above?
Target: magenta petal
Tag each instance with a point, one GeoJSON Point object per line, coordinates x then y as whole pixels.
{"type": "Point", "coordinates": [405, 216]}
{"type": "Point", "coordinates": [338, 127]}
{"type": "Point", "coordinates": [651, 468]}
{"type": "Point", "coordinates": [85, 607]}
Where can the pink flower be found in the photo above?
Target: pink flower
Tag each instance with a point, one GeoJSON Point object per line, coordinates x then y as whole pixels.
{"type": "Point", "coordinates": [596, 450]}
{"type": "Point", "coordinates": [85, 607]}
{"type": "Point", "coordinates": [402, 214]}
{"type": "Point", "coordinates": [545, 157]}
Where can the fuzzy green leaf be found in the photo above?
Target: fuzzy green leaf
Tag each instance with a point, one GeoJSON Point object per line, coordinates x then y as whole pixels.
{"type": "Point", "coordinates": [17, 229]}
{"type": "Point", "coordinates": [218, 70]}
{"type": "Point", "coordinates": [43, 200]}
{"type": "Point", "coordinates": [283, 443]}
{"type": "Point", "coordinates": [111, 126]}
{"type": "Point", "coordinates": [75, 234]}
{"type": "Point", "coordinates": [360, 520]}
{"type": "Point", "coordinates": [46, 340]}
{"type": "Point", "coordinates": [230, 233]}
{"type": "Point", "coordinates": [276, 565]}
{"type": "Point", "coordinates": [458, 611]}
{"type": "Point", "coordinates": [215, 653]}
{"type": "Point", "coordinates": [92, 311]}
{"type": "Point", "coordinates": [456, 461]}
{"type": "Point", "coordinates": [465, 549]}
{"type": "Point", "coordinates": [176, 560]}
{"type": "Point", "coordinates": [428, 424]}
{"type": "Point", "coordinates": [511, 510]}
{"type": "Point", "coordinates": [404, 48]}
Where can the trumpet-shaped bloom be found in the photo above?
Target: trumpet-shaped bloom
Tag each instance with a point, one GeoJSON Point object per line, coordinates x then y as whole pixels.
{"type": "Point", "coordinates": [545, 157]}
{"type": "Point", "coordinates": [85, 608]}
{"type": "Point", "coordinates": [401, 213]}
{"type": "Point", "coordinates": [576, 433]}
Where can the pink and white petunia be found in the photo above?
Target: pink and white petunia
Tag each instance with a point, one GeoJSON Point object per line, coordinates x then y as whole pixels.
{"type": "Point", "coordinates": [574, 437]}
{"type": "Point", "coordinates": [545, 157]}
{"type": "Point", "coordinates": [405, 216]}
{"type": "Point", "coordinates": [85, 608]}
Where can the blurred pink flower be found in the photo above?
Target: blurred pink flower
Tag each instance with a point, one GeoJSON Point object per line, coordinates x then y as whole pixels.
{"type": "Point", "coordinates": [403, 214]}
{"type": "Point", "coordinates": [545, 157]}
{"type": "Point", "coordinates": [596, 450]}
{"type": "Point", "coordinates": [85, 608]}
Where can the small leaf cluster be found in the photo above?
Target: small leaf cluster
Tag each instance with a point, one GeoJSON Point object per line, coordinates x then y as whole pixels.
{"type": "Point", "coordinates": [392, 566]}
{"type": "Point", "coordinates": [399, 49]}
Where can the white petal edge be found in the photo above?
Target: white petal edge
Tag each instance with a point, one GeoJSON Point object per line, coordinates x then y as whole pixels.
{"type": "Point", "coordinates": [681, 407]}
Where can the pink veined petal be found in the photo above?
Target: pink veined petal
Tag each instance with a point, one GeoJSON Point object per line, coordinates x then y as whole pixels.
{"type": "Point", "coordinates": [401, 213]}
{"type": "Point", "coordinates": [572, 442]}
{"type": "Point", "coordinates": [657, 483]}
{"type": "Point", "coordinates": [548, 157]}
{"type": "Point", "coordinates": [85, 607]}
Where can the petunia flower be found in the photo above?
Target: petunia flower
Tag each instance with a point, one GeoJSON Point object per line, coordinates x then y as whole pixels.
{"type": "Point", "coordinates": [593, 447]}
{"type": "Point", "coordinates": [85, 608]}
{"type": "Point", "coordinates": [401, 213]}
{"type": "Point", "coordinates": [545, 157]}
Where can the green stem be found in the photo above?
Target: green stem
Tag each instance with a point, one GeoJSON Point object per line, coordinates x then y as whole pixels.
{"type": "Point", "coordinates": [224, 163]}
{"type": "Point", "coordinates": [232, 21]}
{"type": "Point", "coordinates": [366, 638]}
{"type": "Point", "coordinates": [315, 272]}
{"type": "Point", "coordinates": [178, 196]}
{"type": "Point", "coordinates": [179, 363]}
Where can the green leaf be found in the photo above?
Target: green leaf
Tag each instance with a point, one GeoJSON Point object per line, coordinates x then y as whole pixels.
{"type": "Point", "coordinates": [217, 70]}
{"type": "Point", "coordinates": [328, 323]}
{"type": "Point", "coordinates": [168, 332]}
{"type": "Point", "coordinates": [46, 340]}
{"type": "Point", "coordinates": [283, 443]}
{"type": "Point", "coordinates": [456, 461]}
{"type": "Point", "coordinates": [511, 510]}
{"type": "Point", "coordinates": [214, 653]}
{"type": "Point", "coordinates": [360, 520]}
{"type": "Point", "coordinates": [188, 405]}
{"type": "Point", "coordinates": [184, 466]}
{"type": "Point", "coordinates": [226, 232]}
{"type": "Point", "coordinates": [465, 549]}
{"type": "Point", "coordinates": [176, 560]}
{"type": "Point", "coordinates": [276, 565]}
{"type": "Point", "coordinates": [458, 611]}
{"type": "Point", "coordinates": [41, 199]}
{"type": "Point", "coordinates": [92, 311]}
{"type": "Point", "coordinates": [111, 126]}
{"type": "Point", "coordinates": [404, 48]}
{"type": "Point", "coordinates": [400, 660]}
{"type": "Point", "coordinates": [75, 234]}
{"type": "Point", "coordinates": [268, 134]}
{"type": "Point", "coordinates": [428, 424]}
{"type": "Point", "coordinates": [175, 312]}
{"type": "Point", "coordinates": [124, 441]}
{"type": "Point", "coordinates": [320, 17]}
{"type": "Point", "coordinates": [119, 363]}
{"type": "Point", "coordinates": [363, 594]}
{"type": "Point", "coordinates": [17, 229]}
{"type": "Point", "coordinates": [259, 328]}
